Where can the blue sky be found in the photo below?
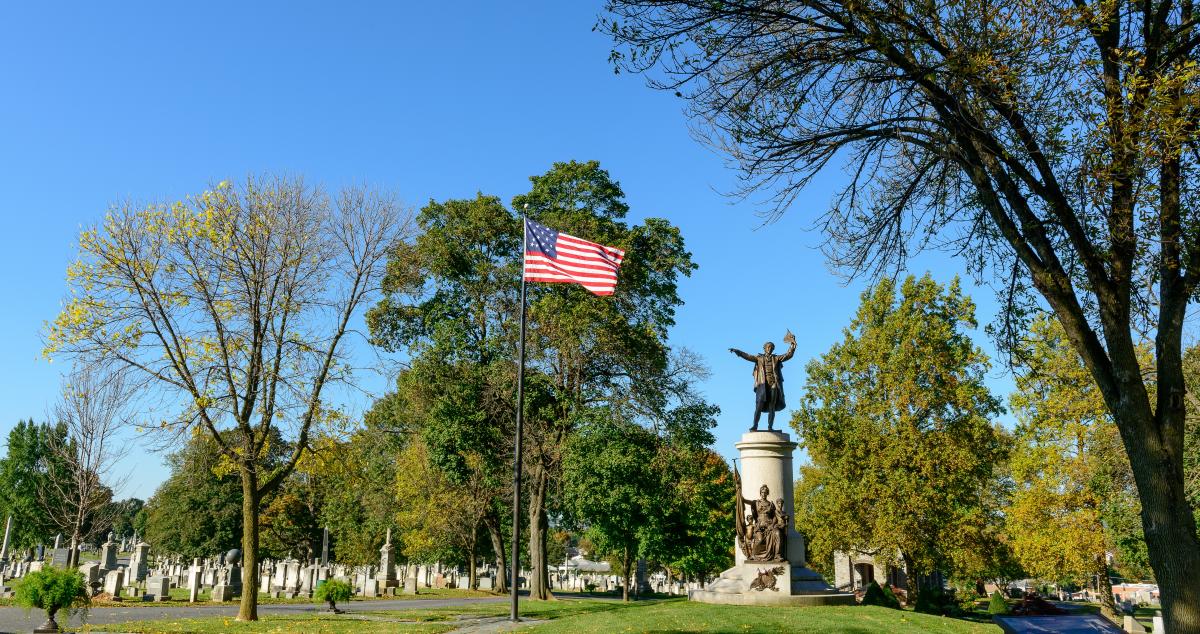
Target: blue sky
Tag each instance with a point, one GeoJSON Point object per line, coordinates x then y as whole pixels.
{"type": "Point", "coordinates": [104, 102]}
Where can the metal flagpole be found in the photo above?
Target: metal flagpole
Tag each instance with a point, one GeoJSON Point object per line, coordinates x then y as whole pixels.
{"type": "Point", "coordinates": [516, 540]}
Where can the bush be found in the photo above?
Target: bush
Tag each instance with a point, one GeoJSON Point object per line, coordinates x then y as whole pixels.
{"type": "Point", "coordinates": [876, 595]}
{"type": "Point", "coordinates": [997, 605]}
{"type": "Point", "coordinates": [52, 589]}
{"type": "Point", "coordinates": [890, 596]}
{"type": "Point", "coordinates": [967, 598]}
{"type": "Point", "coordinates": [937, 601]}
{"type": "Point", "coordinates": [333, 590]}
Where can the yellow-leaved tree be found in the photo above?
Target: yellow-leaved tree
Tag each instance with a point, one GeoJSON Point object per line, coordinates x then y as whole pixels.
{"type": "Point", "coordinates": [232, 309]}
{"type": "Point", "coordinates": [1067, 465]}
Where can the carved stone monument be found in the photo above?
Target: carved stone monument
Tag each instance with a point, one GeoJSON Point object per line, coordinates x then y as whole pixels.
{"type": "Point", "coordinates": [769, 568]}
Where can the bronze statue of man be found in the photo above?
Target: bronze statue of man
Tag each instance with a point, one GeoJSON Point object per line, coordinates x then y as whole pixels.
{"type": "Point", "coordinates": [768, 379]}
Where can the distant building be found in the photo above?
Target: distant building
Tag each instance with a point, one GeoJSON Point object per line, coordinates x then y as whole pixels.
{"type": "Point", "coordinates": [853, 570]}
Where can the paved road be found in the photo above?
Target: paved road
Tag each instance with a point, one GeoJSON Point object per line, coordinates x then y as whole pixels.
{"type": "Point", "coordinates": [14, 620]}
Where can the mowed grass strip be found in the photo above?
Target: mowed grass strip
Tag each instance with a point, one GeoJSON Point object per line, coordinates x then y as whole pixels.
{"type": "Point", "coordinates": [272, 624]}
{"type": "Point", "coordinates": [671, 615]}
{"type": "Point", "coordinates": [686, 616]}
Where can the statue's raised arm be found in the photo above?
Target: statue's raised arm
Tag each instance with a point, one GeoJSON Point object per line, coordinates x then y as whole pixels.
{"type": "Point", "coordinates": [791, 341]}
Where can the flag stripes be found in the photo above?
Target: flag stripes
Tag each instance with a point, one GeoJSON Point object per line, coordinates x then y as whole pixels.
{"type": "Point", "coordinates": [551, 256]}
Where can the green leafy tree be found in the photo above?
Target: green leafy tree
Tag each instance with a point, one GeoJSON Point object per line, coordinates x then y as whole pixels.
{"type": "Point", "coordinates": [27, 465]}
{"type": "Point", "coordinates": [201, 490]}
{"type": "Point", "coordinates": [611, 487]}
{"type": "Point", "coordinates": [895, 418]}
{"type": "Point", "coordinates": [234, 304]}
{"type": "Point", "coordinates": [596, 351]}
{"type": "Point", "coordinates": [1050, 144]}
{"type": "Point", "coordinates": [1068, 465]}
{"type": "Point", "coordinates": [694, 542]}
{"type": "Point", "coordinates": [359, 500]}
{"type": "Point", "coordinates": [125, 515]}
{"type": "Point", "coordinates": [451, 300]}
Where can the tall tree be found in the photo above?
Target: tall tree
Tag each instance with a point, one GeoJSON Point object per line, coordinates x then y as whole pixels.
{"type": "Point", "coordinates": [693, 537]}
{"type": "Point", "coordinates": [452, 300]}
{"type": "Point", "coordinates": [359, 492]}
{"type": "Point", "coordinates": [1051, 144]}
{"type": "Point", "coordinates": [597, 351]}
{"type": "Point", "coordinates": [233, 305]}
{"type": "Point", "coordinates": [25, 471]}
{"type": "Point", "coordinates": [612, 487]}
{"type": "Point", "coordinates": [1066, 465]}
{"type": "Point", "coordinates": [895, 418]}
{"type": "Point", "coordinates": [93, 408]}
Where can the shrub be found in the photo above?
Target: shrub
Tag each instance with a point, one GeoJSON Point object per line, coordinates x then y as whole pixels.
{"type": "Point", "coordinates": [332, 591]}
{"type": "Point", "coordinates": [893, 601]}
{"type": "Point", "coordinates": [966, 598]}
{"type": "Point", "coordinates": [997, 605]}
{"type": "Point", "coordinates": [937, 601]}
{"type": "Point", "coordinates": [52, 589]}
{"type": "Point", "coordinates": [876, 595]}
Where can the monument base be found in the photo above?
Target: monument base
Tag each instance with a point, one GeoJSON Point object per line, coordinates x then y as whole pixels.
{"type": "Point", "coordinates": [771, 583]}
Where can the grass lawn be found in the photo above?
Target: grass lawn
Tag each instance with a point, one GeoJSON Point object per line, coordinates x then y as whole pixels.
{"type": "Point", "coordinates": [179, 596]}
{"type": "Point", "coordinates": [323, 624]}
{"type": "Point", "coordinates": [672, 615]}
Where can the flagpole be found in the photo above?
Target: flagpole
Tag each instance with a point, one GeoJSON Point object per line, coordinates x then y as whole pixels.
{"type": "Point", "coordinates": [516, 539]}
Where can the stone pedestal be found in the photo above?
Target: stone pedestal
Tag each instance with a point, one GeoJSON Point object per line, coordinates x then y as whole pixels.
{"type": "Point", "coordinates": [766, 459]}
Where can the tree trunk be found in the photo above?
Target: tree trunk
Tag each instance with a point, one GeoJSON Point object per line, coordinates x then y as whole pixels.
{"type": "Point", "coordinates": [1171, 541]}
{"type": "Point", "coordinates": [910, 573]}
{"type": "Point", "coordinates": [625, 560]}
{"type": "Point", "coordinates": [538, 526]}
{"type": "Point", "coordinates": [248, 611]}
{"type": "Point", "coordinates": [472, 581]}
{"type": "Point", "coordinates": [492, 521]}
{"type": "Point", "coordinates": [1108, 604]}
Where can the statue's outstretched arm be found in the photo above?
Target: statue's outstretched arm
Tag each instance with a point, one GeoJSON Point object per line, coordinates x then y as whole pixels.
{"type": "Point", "coordinates": [748, 357]}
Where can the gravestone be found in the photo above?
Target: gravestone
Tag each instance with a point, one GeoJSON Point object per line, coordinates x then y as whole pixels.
{"type": "Point", "coordinates": [113, 582]}
{"type": "Point", "coordinates": [387, 564]}
{"type": "Point", "coordinates": [159, 588]}
{"type": "Point", "coordinates": [1133, 626]}
{"type": "Point", "coordinates": [91, 573]}
{"type": "Point", "coordinates": [193, 580]}
{"type": "Point", "coordinates": [138, 566]}
{"type": "Point", "coordinates": [108, 554]}
{"type": "Point", "coordinates": [59, 557]}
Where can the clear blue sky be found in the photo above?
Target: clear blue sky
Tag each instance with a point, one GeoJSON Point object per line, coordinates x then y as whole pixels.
{"type": "Point", "coordinates": [108, 101]}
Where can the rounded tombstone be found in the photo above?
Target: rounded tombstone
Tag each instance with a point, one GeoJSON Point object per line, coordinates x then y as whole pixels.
{"type": "Point", "coordinates": [233, 557]}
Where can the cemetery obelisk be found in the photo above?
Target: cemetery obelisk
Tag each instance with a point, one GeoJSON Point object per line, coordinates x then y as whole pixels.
{"type": "Point", "coordinates": [769, 563]}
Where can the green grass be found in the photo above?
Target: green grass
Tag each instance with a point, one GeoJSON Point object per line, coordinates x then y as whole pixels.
{"type": "Point", "coordinates": [685, 616]}
{"type": "Point", "coordinates": [670, 615]}
{"type": "Point", "coordinates": [323, 624]}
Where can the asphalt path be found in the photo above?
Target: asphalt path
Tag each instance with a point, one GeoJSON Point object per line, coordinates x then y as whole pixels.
{"type": "Point", "coordinates": [14, 620]}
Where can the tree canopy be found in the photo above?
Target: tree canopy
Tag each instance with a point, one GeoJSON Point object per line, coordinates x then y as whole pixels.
{"type": "Point", "coordinates": [897, 422]}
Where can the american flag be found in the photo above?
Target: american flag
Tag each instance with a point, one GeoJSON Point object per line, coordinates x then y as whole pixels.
{"type": "Point", "coordinates": [551, 256]}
